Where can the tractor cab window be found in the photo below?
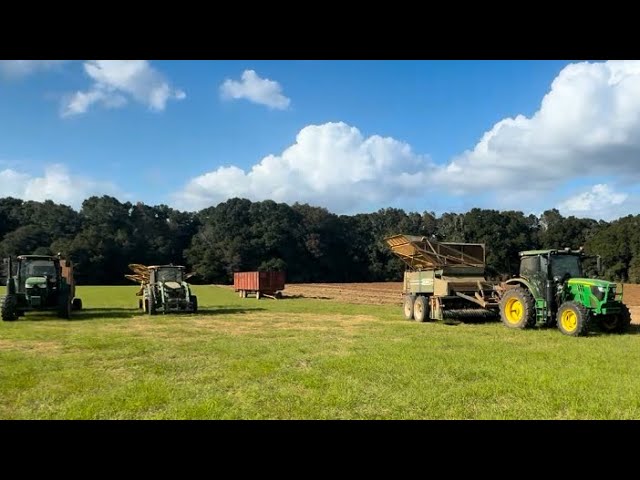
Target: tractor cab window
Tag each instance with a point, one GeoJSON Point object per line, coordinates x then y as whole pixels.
{"type": "Point", "coordinates": [529, 266]}
{"type": "Point", "coordinates": [169, 275]}
{"type": "Point", "coordinates": [565, 265]}
{"type": "Point", "coordinates": [40, 268]}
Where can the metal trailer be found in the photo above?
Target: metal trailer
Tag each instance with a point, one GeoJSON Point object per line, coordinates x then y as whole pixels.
{"type": "Point", "coordinates": [258, 284]}
{"type": "Point", "coordinates": [444, 280]}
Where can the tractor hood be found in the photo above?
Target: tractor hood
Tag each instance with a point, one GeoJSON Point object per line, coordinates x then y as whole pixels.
{"type": "Point", "coordinates": [35, 282]}
{"type": "Point", "coordinates": [592, 282]}
{"type": "Point", "coordinates": [173, 285]}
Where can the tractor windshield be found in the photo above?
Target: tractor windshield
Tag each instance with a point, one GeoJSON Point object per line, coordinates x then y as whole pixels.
{"type": "Point", "coordinates": [38, 268]}
{"type": "Point", "coordinates": [562, 265]}
{"type": "Point", "coordinates": [169, 275]}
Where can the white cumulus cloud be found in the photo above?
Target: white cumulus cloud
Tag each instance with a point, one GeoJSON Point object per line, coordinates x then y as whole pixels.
{"type": "Point", "coordinates": [116, 81]}
{"type": "Point", "coordinates": [56, 184]}
{"type": "Point", "coordinates": [601, 201]}
{"type": "Point", "coordinates": [587, 124]}
{"type": "Point", "coordinates": [332, 165]}
{"type": "Point", "coordinates": [23, 68]}
{"type": "Point", "coordinates": [255, 89]}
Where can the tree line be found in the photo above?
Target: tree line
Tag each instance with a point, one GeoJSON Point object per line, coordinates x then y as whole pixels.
{"type": "Point", "coordinates": [310, 243]}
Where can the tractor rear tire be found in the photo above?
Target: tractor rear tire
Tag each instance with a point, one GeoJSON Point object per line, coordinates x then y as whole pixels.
{"type": "Point", "coordinates": [194, 302]}
{"type": "Point", "coordinates": [151, 306]}
{"type": "Point", "coordinates": [407, 307]}
{"type": "Point", "coordinates": [573, 319]}
{"type": "Point", "coordinates": [7, 307]}
{"type": "Point", "coordinates": [421, 309]}
{"type": "Point", "coordinates": [64, 311]}
{"type": "Point", "coordinates": [76, 304]}
{"type": "Point", "coordinates": [619, 323]}
{"type": "Point", "coordinates": [517, 308]}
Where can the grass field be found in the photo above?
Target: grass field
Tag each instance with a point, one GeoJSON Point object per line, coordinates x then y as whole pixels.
{"type": "Point", "coordinates": [301, 358]}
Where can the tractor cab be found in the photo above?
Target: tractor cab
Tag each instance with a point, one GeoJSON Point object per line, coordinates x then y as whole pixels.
{"type": "Point", "coordinates": [37, 272]}
{"type": "Point", "coordinates": [167, 273]}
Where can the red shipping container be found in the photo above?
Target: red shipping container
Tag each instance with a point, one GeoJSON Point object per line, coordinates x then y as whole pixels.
{"type": "Point", "coordinates": [268, 283]}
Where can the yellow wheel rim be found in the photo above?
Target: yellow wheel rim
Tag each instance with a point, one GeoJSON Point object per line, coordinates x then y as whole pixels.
{"type": "Point", "coordinates": [514, 310]}
{"type": "Point", "coordinates": [569, 320]}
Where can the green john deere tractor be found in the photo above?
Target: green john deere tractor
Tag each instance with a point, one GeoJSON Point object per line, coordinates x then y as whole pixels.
{"type": "Point", "coordinates": [167, 291]}
{"type": "Point", "coordinates": [38, 282]}
{"type": "Point", "coordinates": [551, 290]}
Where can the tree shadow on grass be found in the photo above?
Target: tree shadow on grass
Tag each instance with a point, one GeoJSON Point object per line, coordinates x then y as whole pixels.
{"type": "Point", "coordinates": [227, 309]}
{"type": "Point", "coordinates": [127, 313]}
{"type": "Point", "coordinates": [82, 315]}
{"type": "Point", "coordinates": [291, 297]}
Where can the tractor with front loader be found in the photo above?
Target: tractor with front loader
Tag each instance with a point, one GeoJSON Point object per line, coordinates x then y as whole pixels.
{"type": "Point", "coordinates": [163, 289]}
{"type": "Point", "coordinates": [444, 280]}
{"type": "Point", "coordinates": [38, 283]}
{"type": "Point", "coordinates": [552, 290]}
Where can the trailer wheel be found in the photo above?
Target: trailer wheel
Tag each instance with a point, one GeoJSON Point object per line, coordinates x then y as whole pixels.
{"type": "Point", "coordinates": [573, 319]}
{"type": "Point", "coordinates": [517, 308]}
{"type": "Point", "coordinates": [407, 307]}
{"type": "Point", "coordinates": [76, 304]}
{"type": "Point", "coordinates": [421, 309]}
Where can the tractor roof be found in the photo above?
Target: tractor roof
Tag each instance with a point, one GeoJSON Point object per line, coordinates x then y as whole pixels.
{"type": "Point", "coordinates": [154, 267]}
{"type": "Point", "coordinates": [556, 251]}
{"type": "Point", "coordinates": [36, 257]}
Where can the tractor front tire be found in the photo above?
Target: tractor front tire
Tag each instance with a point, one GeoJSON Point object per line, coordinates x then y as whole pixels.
{"type": "Point", "coordinates": [64, 311]}
{"type": "Point", "coordinates": [573, 319]}
{"type": "Point", "coordinates": [151, 306]}
{"type": "Point", "coordinates": [7, 306]}
{"type": "Point", "coordinates": [421, 309]}
{"type": "Point", "coordinates": [407, 307]}
{"type": "Point", "coordinates": [619, 323]}
{"type": "Point", "coordinates": [517, 308]}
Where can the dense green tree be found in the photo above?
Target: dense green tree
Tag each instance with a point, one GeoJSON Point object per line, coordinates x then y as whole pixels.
{"type": "Point", "coordinates": [310, 243]}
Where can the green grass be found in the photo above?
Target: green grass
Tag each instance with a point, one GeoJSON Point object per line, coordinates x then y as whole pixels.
{"type": "Point", "coordinates": [303, 359]}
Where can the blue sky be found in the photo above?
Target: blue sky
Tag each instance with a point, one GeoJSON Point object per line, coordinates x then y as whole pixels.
{"type": "Point", "coordinates": [352, 136]}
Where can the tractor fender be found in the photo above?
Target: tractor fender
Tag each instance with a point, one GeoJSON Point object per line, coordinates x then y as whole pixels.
{"type": "Point", "coordinates": [520, 282]}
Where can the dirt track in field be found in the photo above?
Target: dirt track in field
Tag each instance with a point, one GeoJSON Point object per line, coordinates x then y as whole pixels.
{"type": "Point", "coordinates": [390, 293]}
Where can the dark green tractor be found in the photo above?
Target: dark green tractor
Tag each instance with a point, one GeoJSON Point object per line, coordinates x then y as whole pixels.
{"type": "Point", "coordinates": [167, 291]}
{"type": "Point", "coordinates": [36, 283]}
{"type": "Point", "coordinates": [552, 290]}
